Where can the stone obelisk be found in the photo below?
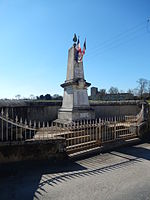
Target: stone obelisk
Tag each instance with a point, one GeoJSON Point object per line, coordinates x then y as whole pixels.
{"type": "Point", "coordinates": [75, 104]}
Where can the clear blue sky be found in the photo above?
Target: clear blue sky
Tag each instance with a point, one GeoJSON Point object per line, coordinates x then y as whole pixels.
{"type": "Point", "coordinates": [35, 36]}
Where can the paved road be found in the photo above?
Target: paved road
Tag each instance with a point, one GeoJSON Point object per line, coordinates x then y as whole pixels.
{"type": "Point", "coordinates": [119, 175]}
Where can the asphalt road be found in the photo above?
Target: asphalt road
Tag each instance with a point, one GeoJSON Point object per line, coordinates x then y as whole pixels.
{"type": "Point", "coordinates": [123, 174]}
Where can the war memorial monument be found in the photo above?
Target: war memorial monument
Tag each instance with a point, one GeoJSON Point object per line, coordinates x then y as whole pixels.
{"type": "Point", "coordinates": [75, 104]}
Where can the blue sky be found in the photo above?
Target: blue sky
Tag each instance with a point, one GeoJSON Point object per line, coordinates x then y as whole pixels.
{"type": "Point", "coordinates": [35, 36]}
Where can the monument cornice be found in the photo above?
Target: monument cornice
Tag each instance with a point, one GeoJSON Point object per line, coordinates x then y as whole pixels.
{"type": "Point", "coordinates": [75, 82]}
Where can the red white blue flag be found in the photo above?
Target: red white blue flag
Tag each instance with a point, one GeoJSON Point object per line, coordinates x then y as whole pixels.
{"type": "Point", "coordinates": [84, 47]}
{"type": "Point", "coordinates": [78, 47]}
{"type": "Point", "coordinates": [80, 53]}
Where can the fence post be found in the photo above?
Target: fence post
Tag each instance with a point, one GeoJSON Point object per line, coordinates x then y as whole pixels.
{"type": "Point", "coordinates": [78, 132]}
{"type": "Point", "coordinates": [43, 128]}
{"type": "Point", "coordinates": [7, 125]}
{"type": "Point", "coordinates": [84, 133]}
{"type": "Point", "coordinates": [47, 124]}
{"type": "Point", "coordinates": [99, 130]}
{"type": "Point", "coordinates": [16, 127]}
{"type": "Point", "coordinates": [39, 125]}
{"type": "Point", "coordinates": [11, 132]}
{"type": "Point", "coordinates": [104, 135]}
{"type": "Point", "coordinates": [20, 134]}
{"type": "Point", "coordinates": [90, 130]}
{"type": "Point", "coordinates": [70, 132]}
{"type": "Point", "coordinates": [2, 135]}
{"type": "Point", "coordinates": [34, 127]}
{"type": "Point", "coordinates": [25, 132]}
{"type": "Point", "coordinates": [74, 132]}
{"type": "Point", "coordinates": [96, 129]}
{"type": "Point", "coordinates": [30, 123]}
{"type": "Point", "coordinates": [115, 136]}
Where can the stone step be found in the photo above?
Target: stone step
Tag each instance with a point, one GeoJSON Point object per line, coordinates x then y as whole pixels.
{"type": "Point", "coordinates": [78, 137]}
{"type": "Point", "coordinates": [81, 144]}
{"type": "Point", "coordinates": [100, 149]}
{"type": "Point", "coordinates": [86, 151]}
{"type": "Point", "coordinates": [131, 135]}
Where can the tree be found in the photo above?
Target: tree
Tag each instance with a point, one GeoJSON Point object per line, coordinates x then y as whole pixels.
{"type": "Point", "coordinates": [41, 97]}
{"type": "Point", "coordinates": [57, 97]}
{"type": "Point", "coordinates": [102, 93]}
{"type": "Point", "coordinates": [18, 96]}
{"type": "Point", "coordinates": [113, 90]}
{"type": "Point", "coordinates": [130, 91]}
{"type": "Point", "coordinates": [142, 86]}
{"type": "Point", "coordinates": [32, 96]}
{"type": "Point", "coordinates": [48, 97]}
{"type": "Point", "coordinates": [122, 91]}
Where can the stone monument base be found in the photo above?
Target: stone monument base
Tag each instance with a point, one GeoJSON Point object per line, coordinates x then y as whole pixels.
{"type": "Point", "coordinates": [66, 116]}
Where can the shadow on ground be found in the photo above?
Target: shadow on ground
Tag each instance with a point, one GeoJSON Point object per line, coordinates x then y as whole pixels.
{"type": "Point", "coordinates": [22, 179]}
{"type": "Point", "coordinates": [26, 180]}
{"type": "Point", "coordinates": [136, 151]}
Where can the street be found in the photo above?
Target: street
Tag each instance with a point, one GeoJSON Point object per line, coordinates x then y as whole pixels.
{"type": "Point", "coordinates": [123, 174]}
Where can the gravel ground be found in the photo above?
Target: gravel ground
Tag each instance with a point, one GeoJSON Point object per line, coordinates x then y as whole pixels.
{"type": "Point", "coordinates": [123, 174]}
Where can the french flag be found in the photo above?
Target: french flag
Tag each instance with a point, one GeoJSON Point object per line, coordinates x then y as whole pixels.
{"type": "Point", "coordinates": [79, 52]}
{"type": "Point", "coordinates": [78, 47]}
{"type": "Point", "coordinates": [84, 47]}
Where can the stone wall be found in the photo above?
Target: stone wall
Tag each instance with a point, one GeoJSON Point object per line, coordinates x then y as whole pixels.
{"type": "Point", "coordinates": [32, 150]}
{"type": "Point", "coordinates": [43, 113]}
{"type": "Point", "coordinates": [48, 111]}
{"type": "Point", "coordinates": [116, 108]}
{"type": "Point", "coordinates": [32, 110]}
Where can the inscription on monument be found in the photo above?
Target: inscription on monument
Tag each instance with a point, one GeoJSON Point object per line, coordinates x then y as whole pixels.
{"type": "Point", "coordinates": [84, 115]}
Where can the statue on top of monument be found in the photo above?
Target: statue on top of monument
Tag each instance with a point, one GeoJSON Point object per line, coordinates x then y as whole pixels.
{"type": "Point", "coordinates": [79, 53]}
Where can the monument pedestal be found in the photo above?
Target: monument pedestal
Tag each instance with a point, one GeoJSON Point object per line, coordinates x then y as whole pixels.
{"type": "Point", "coordinates": [75, 104]}
{"type": "Point", "coordinates": [75, 114]}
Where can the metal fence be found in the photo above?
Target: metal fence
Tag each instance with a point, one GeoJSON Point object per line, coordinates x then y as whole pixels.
{"type": "Point", "coordinates": [79, 135]}
{"type": "Point", "coordinates": [88, 134]}
{"type": "Point", "coordinates": [18, 129]}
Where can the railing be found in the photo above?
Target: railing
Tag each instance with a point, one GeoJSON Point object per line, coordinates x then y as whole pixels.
{"type": "Point", "coordinates": [138, 118]}
{"type": "Point", "coordinates": [79, 135]}
{"type": "Point", "coordinates": [87, 134]}
{"type": "Point", "coordinates": [18, 129]}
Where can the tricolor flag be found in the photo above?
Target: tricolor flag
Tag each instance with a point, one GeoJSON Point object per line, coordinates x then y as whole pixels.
{"type": "Point", "coordinates": [84, 47]}
{"type": "Point", "coordinates": [78, 56]}
{"type": "Point", "coordinates": [80, 53]}
{"type": "Point", "coordinates": [78, 47]}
